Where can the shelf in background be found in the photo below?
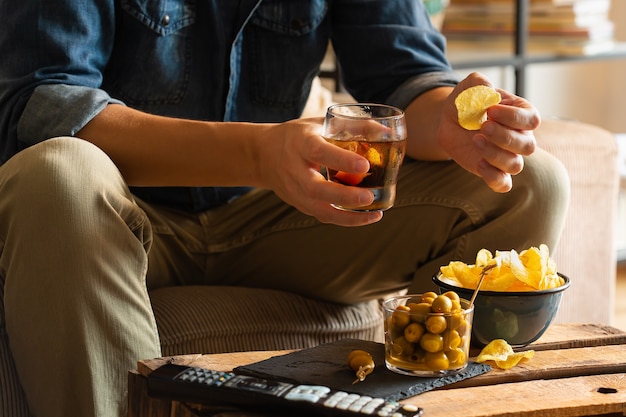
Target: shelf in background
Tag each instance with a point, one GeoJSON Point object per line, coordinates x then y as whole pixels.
{"type": "Point", "coordinates": [482, 58]}
{"type": "Point", "coordinates": [518, 54]}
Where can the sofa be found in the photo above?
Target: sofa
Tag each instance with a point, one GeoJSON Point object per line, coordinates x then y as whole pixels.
{"type": "Point", "coordinates": [223, 319]}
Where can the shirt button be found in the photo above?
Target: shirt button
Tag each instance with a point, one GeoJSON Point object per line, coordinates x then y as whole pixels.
{"type": "Point", "coordinates": [165, 20]}
{"type": "Point", "coordinates": [297, 24]}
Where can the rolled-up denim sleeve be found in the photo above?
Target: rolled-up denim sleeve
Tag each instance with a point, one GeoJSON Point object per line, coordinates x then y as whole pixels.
{"type": "Point", "coordinates": [77, 105]}
{"type": "Point", "coordinates": [388, 50]}
{"type": "Point", "coordinates": [419, 84]}
{"type": "Point", "coordinates": [53, 57]}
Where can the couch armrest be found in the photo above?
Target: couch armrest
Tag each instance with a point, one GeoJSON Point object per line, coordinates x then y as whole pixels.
{"type": "Point", "coordinates": [587, 251]}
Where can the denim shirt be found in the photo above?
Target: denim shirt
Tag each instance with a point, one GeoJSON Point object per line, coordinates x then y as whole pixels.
{"type": "Point", "coordinates": [63, 61]}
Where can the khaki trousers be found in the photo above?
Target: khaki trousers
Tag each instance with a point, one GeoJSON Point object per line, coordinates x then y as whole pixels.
{"type": "Point", "coordinates": [78, 254]}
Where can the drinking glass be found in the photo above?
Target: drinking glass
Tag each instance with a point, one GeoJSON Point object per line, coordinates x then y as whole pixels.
{"type": "Point", "coordinates": [421, 342]}
{"type": "Point", "coordinates": [376, 132]}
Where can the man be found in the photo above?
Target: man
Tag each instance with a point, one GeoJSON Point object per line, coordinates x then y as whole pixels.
{"type": "Point", "coordinates": [147, 144]}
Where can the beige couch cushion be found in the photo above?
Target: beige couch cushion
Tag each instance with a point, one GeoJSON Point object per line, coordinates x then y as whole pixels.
{"type": "Point", "coordinates": [586, 252]}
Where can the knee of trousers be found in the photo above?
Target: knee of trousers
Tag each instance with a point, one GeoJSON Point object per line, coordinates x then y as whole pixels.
{"type": "Point", "coordinates": [61, 172]}
{"type": "Point", "coordinates": [541, 193]}
{"type": "Point", "coordinates": [547, 178]}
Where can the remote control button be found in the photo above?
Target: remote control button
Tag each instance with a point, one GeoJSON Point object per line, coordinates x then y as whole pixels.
{"type": "Point", "coordinates": [319, 390]}
{"type": "Point", "coordinates": [410, 408]}
{"type": "Point", "coordinates": [310, 393]}
{"type": "Point", "coordinates": [372, 405]}
{"type": "Point", "coordinates": [298, 396]}
{"type": "Point", "coordinates": [347, 401]}
{"type": "Point", "coordinates": [389, 409]}
{"type": "Point", "coordinates": [359, 404]}
{"type": "Point", "coordinates": [343, 405]}
{"type": "Point", "coordinates": [340, 394]}
{"type": "Point", "coordinates": [334, 399]}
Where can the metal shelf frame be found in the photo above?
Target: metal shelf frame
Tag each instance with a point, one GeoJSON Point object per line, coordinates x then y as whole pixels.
{"type": "Point", "coordinates": [519, 59]}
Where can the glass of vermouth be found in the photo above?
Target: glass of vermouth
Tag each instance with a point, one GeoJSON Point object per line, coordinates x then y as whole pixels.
{"type": "Point", "coordinates": [376, 132]}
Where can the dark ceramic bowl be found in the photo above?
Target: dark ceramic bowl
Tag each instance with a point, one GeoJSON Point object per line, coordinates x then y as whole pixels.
{"type": "Point", "coordinates": [520, 318]}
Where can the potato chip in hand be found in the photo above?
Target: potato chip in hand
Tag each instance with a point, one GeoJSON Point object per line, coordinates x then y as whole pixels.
{"type": "Point", "coordinates": [472, 104]}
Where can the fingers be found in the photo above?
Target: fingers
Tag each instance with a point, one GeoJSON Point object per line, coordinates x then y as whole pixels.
{"type": "Point", "coordinates": [504, 139]}
{"type": "Point", "coordinates": [515, 113]}
{"type": "Point", "coordinates": [300, 183]}
{"type": "Point", "coordinates": [475, 78]}
{"type": "Point", "coordinates": [334, 157]}
{"type": "Point", "coordinates": [515, 141]}
{"type": "Point", "coordinates": [318, 200]}
{"type": "Point", "coordinates": [502, 150]}
{"type": "Point", "coordinates": [332, 215]}
{"type": "Point", "coordinates": [496, 179]}
{"type": "Point", "coordinates": [508, 162]}
{"type": "Point", "coordinates": [343, 195]}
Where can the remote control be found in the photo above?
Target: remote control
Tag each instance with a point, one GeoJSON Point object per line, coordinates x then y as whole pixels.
{"type": "Point", "coordinates": [200, 385]}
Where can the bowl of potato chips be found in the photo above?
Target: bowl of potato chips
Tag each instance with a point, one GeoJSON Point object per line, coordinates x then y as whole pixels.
{"type": "Point", "coordinates": [518, 298]}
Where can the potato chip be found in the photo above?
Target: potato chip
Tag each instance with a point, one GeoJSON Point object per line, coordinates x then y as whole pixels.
{"type": "Point", "coordinates": [496, 350]}
{"type": "Point", "coordinates": [504, 279]}
{"type": "Point", "coordinates": [514, 359]}
{"type": "Point", "coordinates": [499, 353]}
{"type": "Point", "coordinates": [464, 273]}
{"type": "Point", "coordinates": [521, 271]}
{"type": "Point", "coordinates": [472, 104]}
{"type": "Point", "coordinates": [530, 270]}
{"type": "Point", "coordinates": [532, 257]}
{"type": "Point", "coordinates": [483, 258]}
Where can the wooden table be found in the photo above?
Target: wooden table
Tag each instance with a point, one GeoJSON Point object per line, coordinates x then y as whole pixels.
{"type": "Point", "coordinates": [577, 370]}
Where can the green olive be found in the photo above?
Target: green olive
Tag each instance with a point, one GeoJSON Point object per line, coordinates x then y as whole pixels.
{"type": "Point", "coordinates": [441, 304]}
{"type": "Point", "coordinates": [402, 347]}
{"type": "Point", "coordinates": [400, 317]}
{"type": "Point", "coordinates": [419, 311]}
{"type": "Point", "coordinates": [436, 324]}
{"type": "Point", "coordinates": [451, 340]}
{"type": "Point", "coordinates": [357, 352]}
{"type": "Point", "coordinates": [413, 332]}
{"type": "Point", "coordinates": [431, 342]}
{"type": "Point", "coordinates": [456, 320]}
{"type": "Point", "coordinates": [452, 295]}
{"type": "Point", "coordinates": [430, 295]}
{"type": "Point", "coordinates": [362, 363]}
{"type": "Point", "coordinates": [456, 357]}
{"type": "Point", "coordinates": [437, 360]}
{"type": "Point", "coordinates": [456, 306]}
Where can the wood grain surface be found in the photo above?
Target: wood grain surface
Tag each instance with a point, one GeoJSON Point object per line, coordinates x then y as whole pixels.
{"type": "Point", "coordinates": [577, 370]}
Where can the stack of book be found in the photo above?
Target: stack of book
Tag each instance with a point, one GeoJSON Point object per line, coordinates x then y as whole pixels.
{"type": "Point", "coordinates": [562, 27]}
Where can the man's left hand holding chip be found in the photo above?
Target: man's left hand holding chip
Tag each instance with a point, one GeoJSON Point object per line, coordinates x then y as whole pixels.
{"type": "Point", "coordinates": [495, 152]}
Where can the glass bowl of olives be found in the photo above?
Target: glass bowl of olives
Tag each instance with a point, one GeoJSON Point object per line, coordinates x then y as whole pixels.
{"type": "Point", "coordinates": [427, 334]}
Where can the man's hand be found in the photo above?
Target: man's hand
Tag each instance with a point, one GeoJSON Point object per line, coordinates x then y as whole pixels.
{"type": "Point", "coordinates": [496, 151]}
{"type": "Point", "coordinates": [291, 157]}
